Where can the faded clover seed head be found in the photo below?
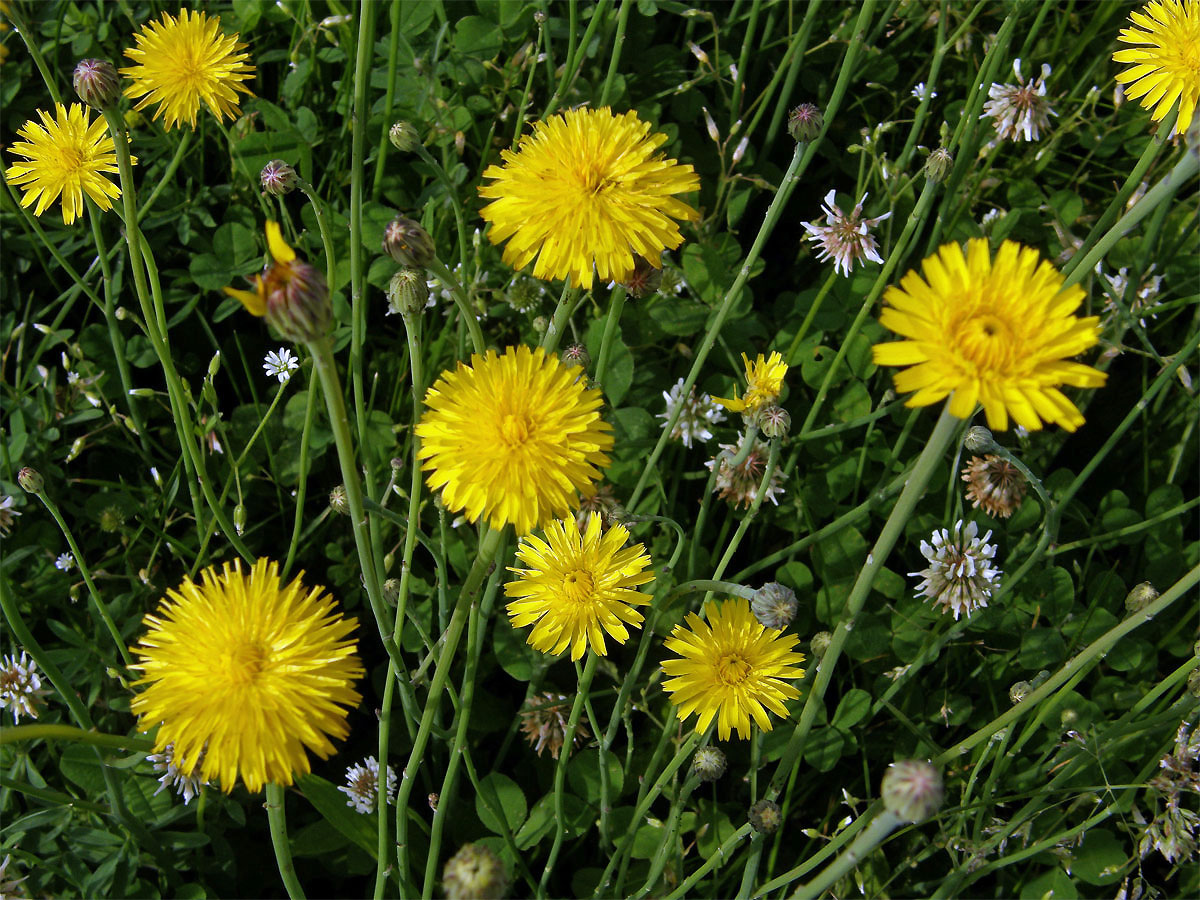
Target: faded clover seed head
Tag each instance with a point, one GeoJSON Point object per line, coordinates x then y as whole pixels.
{"type": "Point", "coordinates": [804, 122]}
{"type": "Point", "coordinates": [544, 721]}
{"type": "Point", "coordinates": [765, 817]}
{"type": "Point", "coordinates": [408, 243]}
{"type": "Point", "coordinates": [739, 484]}
{"type": "Point", "coordinates": [699, 412]}
{"type": "Point", "coordinates": [994, 485]}
{"type": "Point", "coordinates": [912, 790]}
{"type": "Point", "coordinates": [774, 605]}
{"type": "Point", "coordinates": [277, 178]}
{"type": "Point", "coordinates": [474, 873]}
{"type": "Point", "coordinates": [845, 237]}
{"type": "Point", "coordinates": [408, 292]}
{"type": "Point", "coordinates": [1140, 596]}
{"type": "Point", "coordinates": [362, 785]}
{"type": "Point", "coordinates": [709, 763]}
{"type": "Point", "coordinates": [1019, 110]}
{"type": "Point", "coordinates": [960, 575]}
{"type": "Point", "coordinates": [96, 83]}
{"type": "Point", "coordinates": [21, 690]}
{"type": "Point", "coordinates": [404, 137]}
{"type": "Point", "coordinates": [186, 786]}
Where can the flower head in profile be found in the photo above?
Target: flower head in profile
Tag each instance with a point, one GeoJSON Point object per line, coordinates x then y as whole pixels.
{"type": "Point", "coordinates": [732, 668]}
{"type": "Point", "coordinates": [513, 438]}
{"type": "Point", "coordinates": [993, 332]}
{"type": "Point", "coordinates": [21, 690]}
{"type": "Point", "coordinates": [64, 156]}
{"type": "Point", "coordinates": [1165, 59]}
{"type": "Point", "coordinates": [698, 413]}
{"type": "Point", "coordinates": [290, 294]}
{"type": "Point", "coordinates": [583, 194]}
{"type": "Point", "coordinates": [764, 383]}
{"type": "Point", "coordinates": [994, 485]}
{"type": "Point", "coordinates": [960, 575]}
{"type": "Point", "coordinates": [1019, 111]}
{"type": "Point", "coordinates": [578, 586]}
{"type": "Point", "coordinates": [845, 237]}
{"type": "Point", "coordinates": [362, 785]}
{"type": "Point", "coordinates": [181, 62]}
{"type": "Point", "coordinates": [242, 673]}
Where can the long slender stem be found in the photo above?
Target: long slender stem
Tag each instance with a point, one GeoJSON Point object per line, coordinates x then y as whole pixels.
{"type": "Point", "coordinates": [277, 819]}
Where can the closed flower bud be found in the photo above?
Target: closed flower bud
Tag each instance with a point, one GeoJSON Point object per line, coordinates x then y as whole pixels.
{"type": "Point", "coordinates": [576, 355]}
{"type": "Point", "coordinates": [708, 764]}
{"type": "Point", "coordinates": [404, 137]}
{"type": "Point", "coordinates": [820, 643]}
{"type": "Point", "coordinates": [773, 421]}
{"type": "Point", "coordinates": [278, 178]}
{"type": "Point", "coordinates": [408, 243]}
{"type": "Point", "coordinates": [338, 502]}
{"type": "Point", "coordinates": [96, 83]}
{"type": "Point", "coordinates": [298, 306]}
{"type": "Point", "coordinates": [645, 279]}
{"type": "Point", "coordinates": [912, 790]}
{"type": "Point", "coordinates": [804, 122]}
{"type": "Point", "coordinates": [1140, 596]}
{"type": "Point", "coordinates": [474, 873]}
{"type": "Point", "coordinates": [391, 591]}
{"type": "Point", "coordinates": [1019, 692]}
{"type": "Point", "coordinates": [979, 440]}
{"type": "Point", "coordinates": [408, 292]}
{"type": "Point", "coordinates": [765, 817]}
{"type": "Point", "coordinates": [774, 605]}
{"type": "Point", "coordinates": [239, 519]}
{"type": "Point", "coordinates": [937, 165]}
{"type": "Point", "coordinates": [31, 480]}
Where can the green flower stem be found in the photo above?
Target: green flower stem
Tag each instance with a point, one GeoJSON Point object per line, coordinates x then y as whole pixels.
{"type": "Point", "coordinates": [412, 331]}
{"type": "Point", "coordinates": [446, 277]}
{"type": "Point", "coordinates": [13, 734]}
{"type": "Point", "coordinates": [1124, 532]}
{"type": "Point", "coordinates": [706, 502]}
{"type": "Point", "coordinates": [714, 860]}
{"type": "Point", "coordinates": [931, 456]}
{"type": "Point", "coordinates": [786, 185]}
{"type": "Point", "coordinates": [791, 63]}
{"type": "Point", "coordinates": [542, 40]}
{"type": "Point", "coordinates": [277, 819]}
{"type": "Point", "coordinates": [575, 50]}
{"type": "Point", "coordinates": [383, 854]}
{"type": "Point", "coordinates": [389, 97]}
{"type": "Point", "coordinates": [881, 826]}
{"type": "Point", "coordinates": [617, 47]}
{"type": "Point", "coordinates": [567, 302]}
{"type": "Point", "coordinates": [839, 840]}
{"type": "Point", "coordinates": [584, 677]}
{"type": "Point", "coordinates": [667, 844]}
{"type": "Point", "coordinates": [489, 544]}
{"type": "Point", "coordinates": [612, 324]}
{"type": "Point", "coordinates": [93, 592]}
{"type": "Point", "coordinates": [1184, 171]}
{"type": "Point", "coordinates": [318, 208]}
{"type": "Point", "coordinates": [931, 80]}
{"type": "Point", "coordinates": [739, 86]}
{"type": "Point", "coordinates": [310, 408]}
{"type": "Point", "coordinates": [884, 278]}
{"type": "Point", "coordinates": [456, 206]}
{"type": "Point", "coordinates": [1081, 662]}
{"type": "Point", "coordinates": [13, 14]}
{"type": "Point", "coordinates": [808, 318]}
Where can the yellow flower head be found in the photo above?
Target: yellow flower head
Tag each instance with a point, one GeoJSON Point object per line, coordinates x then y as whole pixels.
{"type": "Point", "coordinates": [1166, 67]}
{"type": "Point", "coordinates": [587, 188]}
{"type": "Point", "coordinates": [578, 586]}
{"type": "Point", "coordinates": [999, 333]}
{"type": "Point", "coordinates": [764, 382]}
{"type": "Point", "coordinates": [512, 438]}
{"type": "Point", "coordinates": [180, 62]}
{"type": "Point", "coordinates": [64, 155]}
{"type": "Point", "coordinates": [290, 293]}
{"type": "Point", "coordinates": [248, 672]}
{"type": "Point", "coordinates": [732, 667]}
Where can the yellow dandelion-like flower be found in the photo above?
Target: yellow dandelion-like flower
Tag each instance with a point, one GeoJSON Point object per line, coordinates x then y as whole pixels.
{"type": "Point", "coordinates": [512, 438]}
{"type": "Point", "coordinates": [996, 332]}
{"type": "Point", "coordinates": [587, 188]}
{"type": "Point", "coordinates": [764, 382]}
{"type": "Point", "coordinates": [180, 62]}
{"type": "Point", "coordinates": [290, 294]}
{"type": "Point", "coordinates": [1166, 68]}
{"type": "Point", "coordinates": [64, 155]}
{"type": "Point", "coordinates": [578, 586]}
{"type": "Point", "coordinates": [242, 673]}
{"type": "Point", "coordinates": [732, 667]}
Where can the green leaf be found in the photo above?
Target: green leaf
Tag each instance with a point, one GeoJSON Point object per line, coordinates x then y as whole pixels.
{"type": "Point", "coordinates": [476, 36]}
{"type": "Point", "coordinates": [824, 748]}
{"type": "Point", "coordinates": [679, 317]}
{"type": "Point", "coordinates": [81, 764]}
{"type": "Point", "coordinates": [513, 652]}
{"type": "Point", "coordinates": [583, 774]}
{"type": "Point", "coordinates": [868, 639]}
{"type": "Point", "coordinates": [1041, 649]}
{"type": "Point", "coordinates": [1101, 858]}
{"type": "Point", "coordinates": [505, 798]}
{"type": "Point", "coordinates": [852, 709]}
{"type": "Point", "coordinates": [331, 804]}
{"type": "Point", "coordinates": [542, 819]}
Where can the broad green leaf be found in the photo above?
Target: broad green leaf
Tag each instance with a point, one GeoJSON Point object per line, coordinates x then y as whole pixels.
{"type": "Point", "coordinates": [503, 798]}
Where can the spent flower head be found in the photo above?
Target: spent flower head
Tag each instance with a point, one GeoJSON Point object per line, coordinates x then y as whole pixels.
{"type": "Point", "coordinates": [698, 412]}
{"type": "Point", "coordinates": [544, 721]}
{"type": "Point", "coordinates": [845, 237]}
{"type": "Point", "coordinates": [739, 482]}
{"type": "Point", "coordinates": [994, 485]}
{"type": "Point", "coordinates": [362, 785]}
{"type": "Point", "coordinates": [21, 690]}
{"type": "Point", "coordinates": [1019, 111]}
{"type": "Point", "coordinates": [961, 575]}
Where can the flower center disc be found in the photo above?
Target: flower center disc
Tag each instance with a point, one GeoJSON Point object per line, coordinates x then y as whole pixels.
{"type": "Point", "coordinates": [732, 669]}
{"type": "Point", "coordinates": [244, 662]}
{"type": "Point", "coordinates": [987, 340]}
{"type": "Point", "coordinates": [515, 429]}
{"type": "Point", "coordinates": [578, 586]}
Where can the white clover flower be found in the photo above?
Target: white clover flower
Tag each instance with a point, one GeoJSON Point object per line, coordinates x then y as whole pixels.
{"type": "Point", "coordinates": [362, 785]}
{"type": "Point", "coordinates": [698, 413]}
{"type": "Point", "coordinates": [21, 688]}
{"type": "Point", "coordinates": [280, 364]}
{"type": "Point", "coordinates": [1021, 108]}
{"type": "Point", "coordinates": [186, 786]}
{"type": "Point", "coordinates": [65, 562]}
{"type": "Point", "coordinates": [960, 576]}
{"type": "Point", "coordinates": [1143, 303]}
{"type": "Point", "coordinates": [845, 238]}
{"type": "Point", "coordinates": [921, 92]}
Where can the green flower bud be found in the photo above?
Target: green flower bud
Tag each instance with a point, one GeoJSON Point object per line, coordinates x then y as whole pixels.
{"type": "Point", "coordinates": [408, 292]}
{"type": "Point", "coordinates": [820, 643]}
{"type": "Point", "coordinates": [1019, 692]}
{"type": "Point", "coordinates": [774, 605]}
{"type": "Point", "coordinates": [239, 518]}
{"type": "Point", "coordinates": [773, 421]}
{"type": "Point", "coordinates": [1193, 682]}
{"type": "Point", "coordinates": [96, 83]}
{"type": "Point", "coordinates": [31, 480]}
{"type": "Point", "coordinates": [278, 178]}
{"type": "Point", "coordinates": [1140, 596]}
{"type": "Point", "coordinates": [765, 816]}
{"type": "Point", "coordinates": [576, 355]}
{"type": "Point", "coordinates": [474, 873]}
{"type": "Point", "coordinates": [979, 440]}
{"type": "Point", "coordinates": [804, 122]}
{"type": "Point", "coordinates": [408, 243]}
{"type": "Point", "coordinates": [404, 137]}
{"type": "Point", "coordinates": [938, 165]}
{"type": "Point", "coordinates": [338, 502]}
{"type": "Point", "coordinates": [298, 305]}
{"type": "Point", "coordinates": [912, 790]}
{"type": "Point", "coordinates": [708, 764]}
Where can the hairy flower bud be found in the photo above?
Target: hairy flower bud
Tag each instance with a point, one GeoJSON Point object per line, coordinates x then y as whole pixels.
{"type": "Point", "coordinates": [912, 790]}
{"type": "Point", "coordinates": [31, 480]}
{"type": "Point", "coordinates": [338, 501]}
{"type": "Point", "coordinates": [804, 122]}
{"type": "Point", "coordinates": [708, 764]}
{"type": "Point", "coordinates": [96, 83]}
{"type": "Point", "coordinates": [408, 292]}
{"type": "Point", "coordinates": [474, 873]}
{"type": "Point", "coordinates": [298, 306]}
{"type": "Point", "coordinates": [404, 137]}
{"type": "Point", "coordinates": [773, 421]}
{"type": "Point", "coordinates": [820, 643]}
{"type": "Point", "coordinates": [774, 605]}
{"type": "Point", "coordinates": [1140, 596]}
{"type": "Point", "coordinates": [979, 440]}
{"type": "Point", "coordinates": [765, 816]}
{"type": "Point", "coordinates": [576, 355]}
{"type": "Point", "coordinates": [278, 178]}
{"type": "Point", "coordinates": [938, 164]}
{"type": "Point", "coordinates": [408, 243]}
{"type": "Point", "coordinates": [1019, 692]}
